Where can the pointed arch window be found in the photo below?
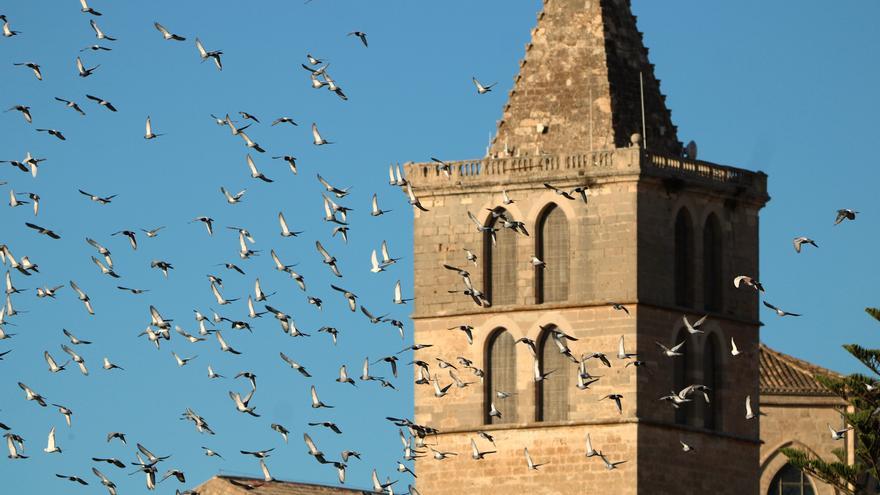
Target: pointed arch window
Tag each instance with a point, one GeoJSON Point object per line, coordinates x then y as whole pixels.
{"type": "Point", "coordinates": [553, 248]}
{"type": "Point", "coordinates": [712, 378]}
{"type": "Point", "coordinates": [684, 258]}
{"type": "Point", "coordinates": [790, 481]}
{"type": "Point", "coordinates": [500, 361]}
{"type": "Point", "coordinates": [713, 275]}
{"type": "Point", "coordinates": [500, 265]}
{"type": "Point", "coordinates": [551, 394]}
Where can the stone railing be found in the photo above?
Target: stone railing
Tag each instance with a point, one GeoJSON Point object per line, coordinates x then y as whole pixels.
{"type": "Point", "coordinates": [489, 169]}
{"type": "Point", "coordinates": [704, 170]}
{"type": "Point", "coordinates": [597, 163]}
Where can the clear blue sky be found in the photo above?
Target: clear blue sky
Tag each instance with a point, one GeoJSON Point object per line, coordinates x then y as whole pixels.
{"type": "Point", "coordinates": [786, 89]}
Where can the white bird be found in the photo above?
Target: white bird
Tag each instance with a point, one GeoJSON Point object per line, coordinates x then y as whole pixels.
{"type": "Point", "coordinates": [241, 405]}
{"type": "Point", "coordinates": [83, 297]}
{"type": "Point", "coordinates": [375, 210]}
{"type": "Point", "coordinates": [694, 328]}
{"type": "Point", "coordinates": [83, 71]}
{"type": "Point", "coordinates": [413, 200]}
{"type": "Point", "coordinates": [7, 31]}
{"type": "Point", "coordinates": [591, 452]}
{"type": "Point", "coordinates": [205, 55]}
{"type": "Point", "coordinates": [749, 281]}
{"type": "Point", "coordinates": [749, 413]}
{"type": "Point", "coordinates": [88, 10]}
{"type": "Point", "coordinates": [31, 395]}
{"type": "Point", "coordinates": [482, 89]}
{"type": "Point", "coordinates": [98, 33]}
{"type": "Point", "coordinates": [181, 362]}
{"type": "Point", "coordinates": [110, 366]}
{"type": "Point", "coordinates": [165, 33]}
{"type": "Point", "coordinates": [374, 262]}
{"type": "Point", "coordinates": [223, 345]}
{"type": "Point", "coordinates": [149, 134]}
{"type": "Point", "coordinates": [111, 487]}
{"type": "Point", "coordinates": [339, 193]}
{"type": "Point", "coordinates": [673, 351]}
{"type": "Point", "coordinates": [266, 476]}
{"type": "Point", "coordinates": [398, 296]}
{"type": "Point", "coordinates": [317, 139]}
{"type": "Point", "coordinates": [212, 374]}
{"type": "Point", "coordinates": [838, 434]}
{"type": "Point", "coordinates": [233, 198]}
{"type": "Point", "coordinates": [779, 311]}
{"type": "Point", "coordinates": [256, 174]}
{"type": "Point", "coordinates": [285, 230]}
{"type": "Point", "coordinates": [734, 351]}
{"type": "Point", "coordinates": [51, 447]}
{"type": "Point", "coordinates": [53, 366]}
{"type": "Point", "coordinates": [76, 359]}
{"type": "Point", "coordinates": [530, 463]}
{"type": "Point", "coordinates": [250, 143]}
{"type": "Point", "coordinates": [800, 241]}
{"type": "Point", "coordinates": [219, 297]}
{"type": "Point", "coordinates": [73, 339]}
{"type": "Point", "coordinates": [316, 403]}
{"type": "Point", "coordinates": [13, 451]}
{"type": "Point", "coordinates": [621, 350]}
{"type": "Point", "coordinates": [610, 465]}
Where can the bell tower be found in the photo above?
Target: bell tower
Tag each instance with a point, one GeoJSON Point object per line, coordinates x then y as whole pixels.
{"type": "Point", "coordinates": [660, 234]}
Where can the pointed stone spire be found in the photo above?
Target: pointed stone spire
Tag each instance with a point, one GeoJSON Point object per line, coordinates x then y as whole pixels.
{"type": "Point", "coordinates": [578, 87]}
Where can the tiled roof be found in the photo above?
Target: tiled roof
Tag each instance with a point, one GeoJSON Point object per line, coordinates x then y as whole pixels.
{"type": "Point", "coordinates": [784, 374]}
{"type": "Point", "coordinates": [235, 485]}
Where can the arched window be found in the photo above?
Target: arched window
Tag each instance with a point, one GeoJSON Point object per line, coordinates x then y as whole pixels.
{"type": "Point", "coordinates": [682, 375]}
{"type": "Point", "coordinates": [790, 481]}
{"type": "Point", "coordinates": [713, 267]}
{"type": "Point", "coordinates": [684, 259]}
{"type": "Point", "coordinates": [500, 265]}
{"type": "Point", "coordinates": [552, 247]}
{"type": "Point", "coordinates": [712, 378]}
{"type": "Point", "coordinates": [551, 394]}
{"type": "Point", "coordinates": [500, 377]}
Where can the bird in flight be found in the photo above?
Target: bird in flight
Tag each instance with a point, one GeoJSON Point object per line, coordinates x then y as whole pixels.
{"type": "Point", "coordinates": [482, 89]}
{"type": "Point", "coordinates": [361, 35]}
{"type": "Point", "coordinates": [168, 35]}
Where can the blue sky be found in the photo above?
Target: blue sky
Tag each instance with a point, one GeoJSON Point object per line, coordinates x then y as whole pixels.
{"type": "Point", "coordinates": [768, 86]}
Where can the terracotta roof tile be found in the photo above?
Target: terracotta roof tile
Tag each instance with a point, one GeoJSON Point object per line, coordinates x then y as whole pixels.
{"type": "Point", "coordinates": [235, 485]}
{"type": "Point", "coordinates": [784, 374]}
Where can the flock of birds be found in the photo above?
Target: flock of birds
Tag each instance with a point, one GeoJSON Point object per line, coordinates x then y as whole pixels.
{"type": "Point", "coordinates": [416, 438]}
{"type": "Point", "coordinates": [222, 327]}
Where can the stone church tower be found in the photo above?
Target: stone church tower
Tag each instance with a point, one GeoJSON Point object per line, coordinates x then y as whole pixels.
{"type": "Point", "coordinates": [661, 234]}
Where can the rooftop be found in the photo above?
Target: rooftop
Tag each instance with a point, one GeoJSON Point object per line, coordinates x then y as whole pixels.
{"type": "Point", "coordinates": [788, 375]}
{"type": "Point", "coordinates": [235, 485]}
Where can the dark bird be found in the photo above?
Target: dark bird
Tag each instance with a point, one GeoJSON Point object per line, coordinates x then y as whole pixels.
{"type": "Point", "coordinates": [71, 104]}
{"type": "Point", "coordinates": [362, 35]}
{"type": "Point", "coordinates": [43, 230]}
{"type": "Point", "coordinates": [54, 132]}
{"type": "Point", "coordinates": [104, 103]}
{"type": "Point", "coordinates": [845, 214]}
